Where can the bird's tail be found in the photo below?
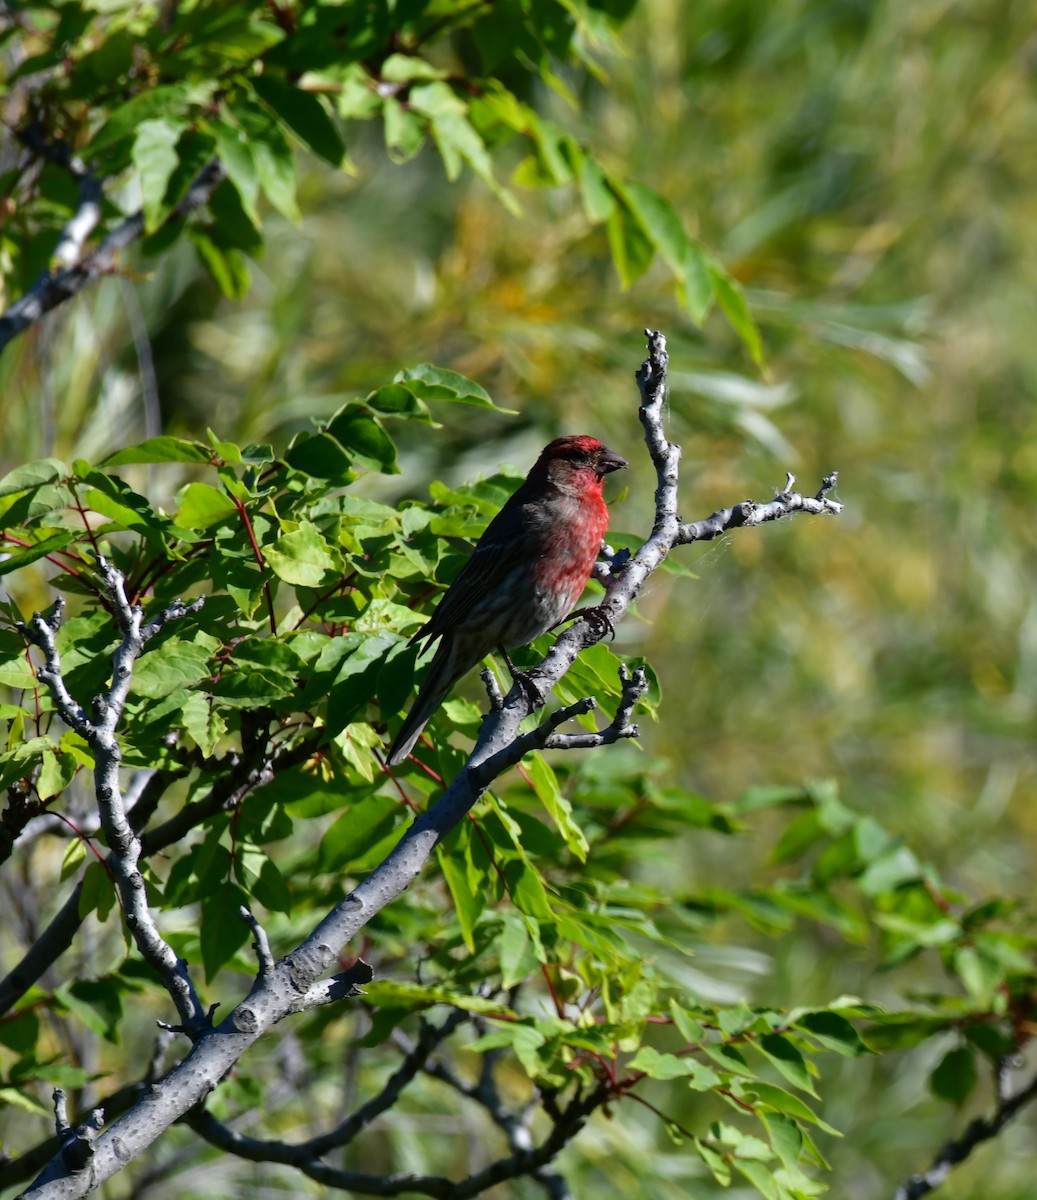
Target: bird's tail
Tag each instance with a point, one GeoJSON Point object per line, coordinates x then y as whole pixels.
{"type": "Point", "coordinates": [443, 673]}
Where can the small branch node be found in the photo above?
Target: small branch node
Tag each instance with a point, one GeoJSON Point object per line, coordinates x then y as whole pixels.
{"type": "Point", "coordinates": [560, 716]}
{"type": "Point", "coordinates": [172, 612]}
{"type": "Point", "coordinates": [493, 689]}
{"type": "Point", "coordinates": [61, 1126]}
{"type": "Point", "coordinates": [260, 943]}
{"type": "Point", "coordinates": [610, 565]}
{"type": "Point", "coordinates": [829, 482]}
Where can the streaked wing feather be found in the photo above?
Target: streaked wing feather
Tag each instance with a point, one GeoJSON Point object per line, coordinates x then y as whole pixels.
{"type": "Point", "coordinates": [489, 564]}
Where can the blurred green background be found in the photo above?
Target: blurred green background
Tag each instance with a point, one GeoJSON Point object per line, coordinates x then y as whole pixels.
{"type": "Point", "coordinates": [867, 170]}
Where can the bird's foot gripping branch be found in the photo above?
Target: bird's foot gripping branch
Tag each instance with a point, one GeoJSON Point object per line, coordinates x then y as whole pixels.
{"type": "Point", "coordinates": [230, 739]}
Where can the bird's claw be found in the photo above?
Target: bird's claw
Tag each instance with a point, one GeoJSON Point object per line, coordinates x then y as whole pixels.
{"type": "Point", "coordinates": [524, 679]}
{"type": "Point", "coordinates": [598, 618]}
{"type": "Point", "coordinates": [534, 696]}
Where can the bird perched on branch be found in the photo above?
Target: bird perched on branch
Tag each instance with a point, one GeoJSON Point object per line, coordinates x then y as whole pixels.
{"type": "Point", "coordinates": [525, 575]}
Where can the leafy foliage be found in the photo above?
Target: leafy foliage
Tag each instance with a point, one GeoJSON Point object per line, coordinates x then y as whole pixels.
{"type": "Point", "coordinates": [152, 99]}
{"type": "Point", "coordinates": [815, 148]}
{"type": "Point", "coordinates": [542, 925]}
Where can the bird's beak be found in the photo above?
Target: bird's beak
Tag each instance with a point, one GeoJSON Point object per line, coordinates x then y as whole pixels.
{"type": "Point", "coordinates": [610, 461]}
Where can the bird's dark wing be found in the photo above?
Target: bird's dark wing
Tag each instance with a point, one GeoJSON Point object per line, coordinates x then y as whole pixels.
{"type": "Point", "coordinates": [503, 547]}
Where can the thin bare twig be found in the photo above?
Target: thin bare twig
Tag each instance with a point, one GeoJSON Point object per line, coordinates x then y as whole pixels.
{"type": "Point", "coordinates": [99, 732]}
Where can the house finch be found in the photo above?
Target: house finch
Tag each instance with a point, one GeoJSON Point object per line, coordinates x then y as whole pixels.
{"type": "Point", "coordinates": [527, 571]}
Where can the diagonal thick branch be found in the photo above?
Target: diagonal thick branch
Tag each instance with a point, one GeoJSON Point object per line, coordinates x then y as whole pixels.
{"type": "Point", "coordinates": [73, 268]}
{"type": "Point", "coordinates": [292, 985]}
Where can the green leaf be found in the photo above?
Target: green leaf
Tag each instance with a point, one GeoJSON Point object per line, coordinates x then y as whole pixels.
{"type": "Point", "coordinates": [466, 884]}
{"type": "Point", "coordinates": [599, 202]}
{"type": "Point", "coordinates": [275, 163]}
{"type": "Point", "coordinates": [901, 1031]}
{"type": "Point", "coordinates": [697, 288]}
{"type": "Point", "coordinates": [632, 249]}
{"type": "Point", "coordinates": [19, 761]}
{"type": "Point", "coordinates": [221, 931]}
{"type": "Point", "coordinates": [109, 495]}
{"type": "Point", "coordinates": [302, 558]}
{"type": "Point", "coordinates": [356, 680]}
{"type": "Point", "coordinates": [671, 1066]}
{"type": "Point", "coordinates": [890, 871]}
{"type": "Point", "coordinates": [437, 383]}
{"type": "Point", "coordinates": [786, 1139]}
{"type": "Point", "coordinates": [405, 130]}
{"type": "Point", "coordinates": [217, 35]}
{"type": "Point", "coordinates": [203, 721]}
{"type": "Point", "coordinates": [236, 156]}
{"type": "Point", "coordinates": [735, 1020]}
{"type": "Point", "coordinates": [833, 1032]}
{"type": "Point", "coordinates": [405, 68]}
{"type": "Point", "coordinates": [98, 891]}
{"type": "Point", "coordinates": [305, 115]}
{"type": "Point", "coordinates": [20, 1099]}
{"type": "Point", "coordinates": [319, 456]}
{"type": "Point", "coordinates": [955, 1076]}
{"type": "Point", "coordinates": [385, 993]}
{"type": "Point", "coordinates": [96, 1002]}
{"type": "Point", "coordinates": [783, 1101]}
{"type": "Point", "coordinates": [551, 162]}
{"type": "Point", "coordinates": [75, 853]}
{"type": "Point", "coordinates": [802, 833]}
{"type": "Point", "coordinates": [759, 1175]}
{"type": "Point", "coordinates": [977, 972]}
{"type": "Point", "coordinates": [226, 264]}
{"type": "Point", "coordinates": [174, 664]}
{"type": "Point", "coordinates": [715, 1161]}
{"type": "Point", "coordinates": [357, 741]}
{"type": "Point", "coordinates": [690, 1027]}
{"type": "Point", "coordinates": [786, 1058]}
{"type": "Point", "coordinates": [260, 877]}
{"type": "Point", "coordinates": [202, 506]}
{"type": "Point", "coordinates": [519, 954]}
{"type": "Point", "coordinates": [659, 220]}
{"type": "Point", "coordinates": [733, 304]}
{"type": "Point", "coordinates": [194, 151]}
{"type": "Point", "coordinates": [396, 400]}
{"type": "Point", "coordinates": [526, 889]}
{"type": "Point", "coordinates": [56, 773]}
{"type": "Point", "coordinates": [355, 429]}
{"type": "Point", "coordinates": [545, 784]}
{"type": "Point", "coordinates": [362, 826]}
{"type": "Point", "coordinates": [522, 1039]}
{"type": "Point", "coordinates": [159, 450]}
{"type": "Point", "coordinates": [457, 139]}
{"type": "Point", "coordinates": [33, 475]}
{"type": "Point", "coordinates": [20, 1032]}
{"type": "Point", "coordinates": [155, 157]}
{"type": "Point", "coordinates": [995, 1043]}
{"type": "Point", "coordinates": [22, 557]}
{"type": "Point", "coordinates": [772, 796]}
{"type": "Point", "coordinates": [160, 103]}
